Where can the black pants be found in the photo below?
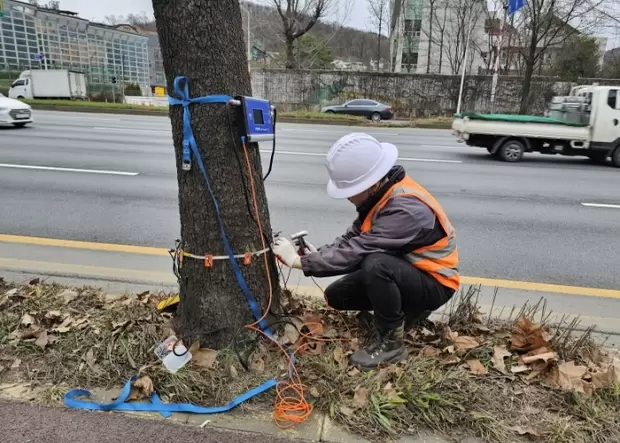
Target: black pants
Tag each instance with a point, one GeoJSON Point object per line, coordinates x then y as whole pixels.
{"type": "Point", "coordinates": [389, 286]}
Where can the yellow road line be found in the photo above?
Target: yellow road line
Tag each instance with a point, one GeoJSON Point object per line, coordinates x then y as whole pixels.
{"type": "Point", "coordinates": [109, 247]}
{"type": "Point", "coordinates": [145, 250]}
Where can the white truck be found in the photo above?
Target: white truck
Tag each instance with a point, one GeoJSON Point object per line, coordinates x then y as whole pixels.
{"type": "Point", "coordinates": [62, 84]}
{"type": "Point", "coordinates": [584, 123]}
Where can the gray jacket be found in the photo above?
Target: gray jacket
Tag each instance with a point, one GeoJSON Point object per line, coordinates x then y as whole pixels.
{"type": "Point", "coordinates": [404, 224]}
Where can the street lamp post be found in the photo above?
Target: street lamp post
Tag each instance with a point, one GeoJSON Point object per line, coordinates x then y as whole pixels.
{"type": "Point", "coordinates": [249, 47]}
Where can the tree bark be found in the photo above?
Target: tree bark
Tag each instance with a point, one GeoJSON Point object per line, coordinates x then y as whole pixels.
{"type": "Point", "coordinates": [530, 61]}
{"type": "Point", "coordinates": [290, 54]}
{"type": "Point", "coordinates": [430, 41]}
{"type": "Point", "coordinates": [203, 40]}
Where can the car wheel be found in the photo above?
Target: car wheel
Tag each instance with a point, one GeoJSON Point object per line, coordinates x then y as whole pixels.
{"type": "Point", "coordinates": [511, 151]}
{"type": "Point", "coordinates": [615, 157]}
{"type": "Point", "coordinates": [375, 117]}
{"type": "Point", "coordinates": [19, 125]}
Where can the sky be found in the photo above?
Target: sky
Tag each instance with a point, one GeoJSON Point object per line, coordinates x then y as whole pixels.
{"type": "Point", "coordinates": [359, 17]}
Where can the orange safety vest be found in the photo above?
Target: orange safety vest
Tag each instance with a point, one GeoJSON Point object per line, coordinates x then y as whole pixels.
{"type": "Point", "coordinates": [440, 259]}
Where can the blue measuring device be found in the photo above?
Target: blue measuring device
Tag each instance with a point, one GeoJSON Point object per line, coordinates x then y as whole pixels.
{"type": "Point", "coordinates": [258, 118]}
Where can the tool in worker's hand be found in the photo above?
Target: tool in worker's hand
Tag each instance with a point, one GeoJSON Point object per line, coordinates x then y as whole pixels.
{"type": "Point", "coordinates": [298, 240]}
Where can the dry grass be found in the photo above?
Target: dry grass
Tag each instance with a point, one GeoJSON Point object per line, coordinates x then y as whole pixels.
{"type": "Point", "coordinates": [112, 338]}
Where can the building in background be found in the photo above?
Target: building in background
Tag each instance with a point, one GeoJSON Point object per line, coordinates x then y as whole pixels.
{"type": "Point", "coordinates": [34, 37]}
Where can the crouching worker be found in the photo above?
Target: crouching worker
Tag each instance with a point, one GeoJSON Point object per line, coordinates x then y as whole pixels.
{"type": "Point", "coordinates": [399, 257]}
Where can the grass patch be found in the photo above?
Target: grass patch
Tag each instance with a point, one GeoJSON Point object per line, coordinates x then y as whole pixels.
{"type": "Point", "coordinates": [504, 381]}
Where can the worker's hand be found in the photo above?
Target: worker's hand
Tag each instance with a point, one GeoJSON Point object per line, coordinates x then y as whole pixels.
{"type": "Point", "coordinates": [310, 248]}
{"type": "Point", "coordinates": [287, 253]}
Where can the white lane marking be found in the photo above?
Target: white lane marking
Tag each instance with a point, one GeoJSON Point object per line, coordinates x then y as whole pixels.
{"type": "Point", "coordinates": [53, 168]}
{"type": "Point", "coordinates": [600, 205]}
{"type": "Point", "coordinates": [390, 134]}
{"type": "Point", "coordinates": [72, 117]}
{"type": "Point", "coordinates": [150, 131]}
{"type": "Point", "coordinates": [315, 154]}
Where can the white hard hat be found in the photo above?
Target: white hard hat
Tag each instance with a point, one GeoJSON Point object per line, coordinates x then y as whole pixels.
{"type": "Point", "coordinates": [356, 162]}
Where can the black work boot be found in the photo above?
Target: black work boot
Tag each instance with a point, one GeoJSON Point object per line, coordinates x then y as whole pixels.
{"type": "Point", "coordinates": [414, 319]}
{"type": "Point", "coordinates": [386, 347]}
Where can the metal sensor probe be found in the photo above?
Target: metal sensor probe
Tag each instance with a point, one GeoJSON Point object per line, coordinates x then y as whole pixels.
{"type": "Point", "coordinates": [298, 240]}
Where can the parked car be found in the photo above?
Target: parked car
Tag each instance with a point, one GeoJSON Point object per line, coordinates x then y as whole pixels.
{"type": "Point", "coordinates": [367, 108]}
{"type": "Point", "coordinates": [14, 112]}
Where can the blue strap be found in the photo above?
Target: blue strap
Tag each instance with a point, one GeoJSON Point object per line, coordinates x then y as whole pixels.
{"type": "Point", "coordinates": [190, 141]}
{"type": "Point", "coordinates": [156, 405]}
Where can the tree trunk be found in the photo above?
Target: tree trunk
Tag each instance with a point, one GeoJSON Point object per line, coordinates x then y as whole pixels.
{"type": "Point", "coordinates": [530, 61]}
{"type": "Point", "coordinates": [379, 43]}
{"type": "Point", "coordinates": [430, 42]}
{"type": "Point", "coordinates": [290, 53]}
{"type": "Point", "coordinates": [204, 41]}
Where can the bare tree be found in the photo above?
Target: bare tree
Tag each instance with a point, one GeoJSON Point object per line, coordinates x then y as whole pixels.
{"type": "Point", "coordinates": [379, 11]}
{"type": "Point", "coordinates": [544, 26]}
{"type": "Point", "coordinates": [298, 17]}
{"type": "Point", "coordinates": [432, 13]}
{"type": "Point", "coordinates": [457, 19]}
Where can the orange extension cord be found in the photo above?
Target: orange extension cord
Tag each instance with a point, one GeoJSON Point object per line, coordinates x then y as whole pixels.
{"type": "Point", "coordinates": [291, 407]}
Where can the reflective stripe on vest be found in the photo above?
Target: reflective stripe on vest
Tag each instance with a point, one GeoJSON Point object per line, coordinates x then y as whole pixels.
{"type": "Point", "coordinates": [440, 259]}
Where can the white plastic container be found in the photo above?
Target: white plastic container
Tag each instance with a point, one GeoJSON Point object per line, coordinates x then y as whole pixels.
{"type": "Point", "coordinates": [171, 361]}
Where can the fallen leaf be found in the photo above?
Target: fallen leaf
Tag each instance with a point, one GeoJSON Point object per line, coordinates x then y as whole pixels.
{"type": "Point", "coordinates": [290, 336]}
{"type": "Point", "coordinates": [194, 347]}
{"type": "Point", "coordinates": [67, 295]}
{"type": "Point", "coordinates": [354, 344]}
{"type": "Point", "coordinates": [205, 357]}
{"type": "Point", "coordinates": [314, 392]}
{"type": "Point", "coordinates": [42, 340]}
{"type": "Point", "coordinates": [81, 324]}
{"type": "Point", "coordinates": [537, 368]}
{"type": "Point", "coordinates": [142, 389]}
{"type": "Point", "coordinates": [66, 322]}
{"type": "Point", "coordinates": [465, 343]}
{"type": "Point", "coordinates": [520, 369]}
{"type": "Point", "coordinates": [90, 360]}
{"type": "Point", "coordinates": [27, 320]}
{"type": "Point", "coordinates": [476, 367]}
{"type": "Point", "coordinates": [113, 298]}
{"type": "Point", "coordinates": [16, 364]}
{"type": "Point", "coordinates": [347, 412]}
{"type": "Point", "coordinates": [568, 376]}
{"type": "Point", "coordinates": [53, 315]}
{"type": "Point", "coordinates": [232, 371]}
{"type": "Point", "coordinates": [499, 354]}
{"type": "Point", "coordinates": [449, 349]}
{"type": "Point", "coordinates": [339, 356]}
{"type": "Point", "coordinates": [360, 398]}
{"type": "Point", "coordinates": [61, 330]}
{"type": "Point", "coordinates": [353, 372]}
{"type": "Point", "coordinates": [429, 351]}
{"type": "Point", "coordinates": [257, 363]}
{"type": "Point", "coordinates": [451, 360]}
{"type": "Point", "coordinates": [528, 336]}
{"type": "Point", "coordinates": [525, 430]}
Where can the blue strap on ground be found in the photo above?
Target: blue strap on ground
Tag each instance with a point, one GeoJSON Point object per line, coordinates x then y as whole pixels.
{"type": "Point", "coordinates": [189, 139]}
{"type": "Point", "coordinates": [156, 405]}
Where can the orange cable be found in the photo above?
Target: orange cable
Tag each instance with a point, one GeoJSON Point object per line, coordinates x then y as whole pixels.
{"type": "Point", "coordinates": [291, 407]}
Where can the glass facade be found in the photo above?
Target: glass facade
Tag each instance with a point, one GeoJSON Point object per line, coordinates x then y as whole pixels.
{"type": "Point", "coordinates": [38, 38]}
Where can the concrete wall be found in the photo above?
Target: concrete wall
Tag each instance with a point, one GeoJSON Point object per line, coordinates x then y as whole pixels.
{"type": "Point", "coordinates": [409, 94]}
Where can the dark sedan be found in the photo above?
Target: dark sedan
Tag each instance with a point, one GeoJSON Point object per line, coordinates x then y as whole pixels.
{"type": "Point", "coordinates": [367, 108]}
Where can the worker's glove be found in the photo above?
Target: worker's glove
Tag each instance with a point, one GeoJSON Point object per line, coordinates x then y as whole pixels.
{"type": "Point", "coordinates": [310, 248]}
{"type": "Point", "coordinates": [287, 253]}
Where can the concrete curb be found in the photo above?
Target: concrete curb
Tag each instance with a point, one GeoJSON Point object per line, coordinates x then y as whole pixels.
{"type": "Point", "coordinates": [318, 428]}
{"type": "Point", "coordinates": [304, 121]}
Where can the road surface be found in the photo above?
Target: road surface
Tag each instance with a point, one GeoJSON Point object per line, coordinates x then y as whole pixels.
{"type": "Point", "coordinates": [112, 179]}
{"type": "Point", "coordinates": [29, 423]}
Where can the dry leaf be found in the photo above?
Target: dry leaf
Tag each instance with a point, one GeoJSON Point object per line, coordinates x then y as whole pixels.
{"type": "Point", "coordinates": [360, 398]}
{"type": "Point", "coordinates": [527, 336]}
{"type": "Point", "coordinates": [314, 392]}
{"type": "Point", "coordinates": [525, 430]}
{"type": "Point", "coordinates": [16, 364]}
{"type": "Point", "coordinates": [449, 349]}
{"type": "Point", "coordinates": [465, 343]}
{"type": "Point", "coordinates": [68, 295]}
{"type": "Point", "coordinates": [113, 298]}
{"type": "Point", "coordinates": [61, 330]}
{"type": "Point", "coordinates": [429, 351]}
{"type": "Point", "coordinates": [476, 367]}
{"type": "Point", "coordinates": [290, 336]}
{"type": "Point", "coordinates": [257, 363]}
{"type": "Point", "coordinates": [451, 360]}
{"type": "Point", "coordinates": [53, 315]}
{"type": "Point", "coordinates": [90, 360]}
{"type": "Point", "coordinates": [539, 357]}
{"type": "Point", "coordinates": [204, 357]}
{"type": "Point", "coordinates": [520, 369]}
{"type": "Point", "coordinates": [142, 389]}
{"type": "Point", "coordinates": [42, 340]}
{"type": "Point", "coordinates": [339, 356]}
{"type": "Point", "coordinates": [66, 322]}
{"type": "Point", "coordinates": [568, 376]}
{"type": "Point", "coordinates": [194, 347]}
{"type": "Point", "coordinates": [354, 344]}
{"type": "Point", "coordinates": [606, 379]}
{"type": "Point", "coordinates": [353, 372]}
{"type": "Point", "coordinates": [27, 320]}
{"type": "Point", "coordinates": [499, 354]}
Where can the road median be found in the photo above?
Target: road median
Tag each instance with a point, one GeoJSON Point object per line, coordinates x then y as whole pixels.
{"type": "Point", "coordinates": [468, 374]}
{"type": "Point", "coordinates": [300, 117]}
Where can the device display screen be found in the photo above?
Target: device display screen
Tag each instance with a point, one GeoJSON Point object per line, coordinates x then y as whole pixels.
{"type": "Point", "coordinates": [258, 117]}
